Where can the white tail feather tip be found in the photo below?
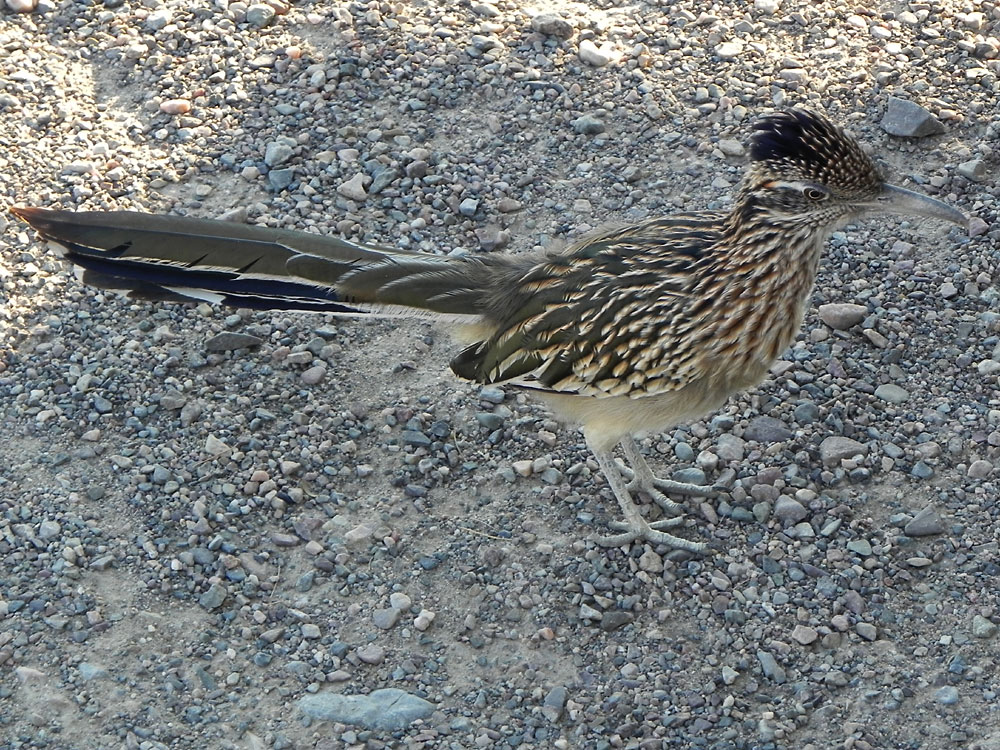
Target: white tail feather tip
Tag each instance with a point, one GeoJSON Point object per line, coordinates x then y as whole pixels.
{"type": "Point", "coordinates": [198, 294]}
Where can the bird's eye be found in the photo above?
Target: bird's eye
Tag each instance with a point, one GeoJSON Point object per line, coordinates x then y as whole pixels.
{"type": "Point", "coordinates": [814, 194]}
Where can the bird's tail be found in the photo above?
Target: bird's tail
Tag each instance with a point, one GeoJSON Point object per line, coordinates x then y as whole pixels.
{"type": "Point", "coordinates": [153, 256]}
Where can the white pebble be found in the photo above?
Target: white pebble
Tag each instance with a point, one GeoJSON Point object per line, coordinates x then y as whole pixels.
{"type": "Point", "coordinates": [354, 188]}
{"type": "Point", "coordinates": [400, 601]}
{"type": "Point", "coordinates": [423, 621]}
{"type": "Point", "coordinates": [591, 54]}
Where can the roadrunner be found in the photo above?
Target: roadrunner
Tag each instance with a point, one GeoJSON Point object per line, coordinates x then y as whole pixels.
{"type": "Point", "coordinates": [629, 330]}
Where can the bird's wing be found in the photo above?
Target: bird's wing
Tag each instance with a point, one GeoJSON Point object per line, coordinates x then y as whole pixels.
{"type": "Point", "coordinates": [607, 317]}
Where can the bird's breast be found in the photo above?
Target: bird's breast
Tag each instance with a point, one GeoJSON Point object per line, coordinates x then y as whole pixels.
{"type": "Point", "coordinates": [753, 307]}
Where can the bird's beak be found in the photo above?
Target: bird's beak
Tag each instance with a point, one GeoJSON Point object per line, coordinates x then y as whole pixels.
{"type": "Point", "coordinates": [897, 200]}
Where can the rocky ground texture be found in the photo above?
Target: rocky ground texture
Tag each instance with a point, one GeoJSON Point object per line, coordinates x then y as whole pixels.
{"type": "Point", "coordinates": [224, 529]}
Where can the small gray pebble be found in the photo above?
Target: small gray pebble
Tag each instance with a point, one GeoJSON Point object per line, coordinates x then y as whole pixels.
{"type": "Point", "coordinates": [354, 188]}
{"type": "Point", "coordinates": [90, 671]}
{"type": "Point", "coordinates": [731, 147]}
{"type": "Point", "coordinates": [805, 412]}
{"type": "Point", "coordinates": [908, 119]}
{"type": "Point", "coordinates": [842, 315]}
{"type": "Point", "coordinates": [730, 448]}
{"type": "Point", "coordinates": [836, 448]}
{"type": "Point", "coordinates": [382, 179]}
{"type": "Point", "coordinates": [214, 597]}
{"type": "Point", "coordinates": [867, 631]}
{"type": "Point", "coordinates": [48, 530]}
{"type": "Point", "coordinates": [277, 152]}
{"type": "Point", "coordinates": [371, 654]}
{"type": "Point", "coordinates": [891, 393]}
{"type": "Point", "coordinates": [102, 563]}
{"type": "Point", "coordinates": [893, 451]}
{"type": "Point", "coordinates": [314, 375]}
{"type": "Point", "coordinates": [227, 341]}
{"type": "Point", "coordinates": [722, 422]}
{"type": "Point", "coordinates": [279, 179]}
{"type": "Point", "coordinates": [614, 619]}
{"type": "Point", "coordinates": [983, 628]}
{"type": "Point", "coordinates": [386, 709]}
{"type": "Point", "coordinates": [690, 476]}
{"type": "Point", "coordinates": [974, 169]}
{"type": "Point", "coordinates": [551, 476]}
{"type": "Point", "coordinates": [684, 452]}
{"type": "Point", "coordinates": [767, 430]}
{"type": "Point", "coordinates": [491, 394]}
{"type": "Point", "coordinates": [860, 546]}
{"type": "Point", "coordinates": [980, 469]}
{"type": "Point", "coordinates": [925, 523]}
{"type": "Point", "coordinates": [415, 439]}
{"type": "Point", "coordinates": [789, 510]}
{"type": "Point", "coordinates": [260, 15]}
{"type": "Point", "coordinates": [554, 703]}
{"type": "Point", "coordinates": [946, 695]}
{"type": "Point", "coordinates": [589, 125]}
{"type": "Point", "coordinates": [772, 670]}
{"type": "Point", "coordinates": [552, 25]}
{"type": "Point", "coordinates": [158, 19]}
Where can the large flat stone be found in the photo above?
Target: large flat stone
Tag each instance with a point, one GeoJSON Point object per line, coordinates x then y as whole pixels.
{"type": "Point", "coordinates": [389, 708]}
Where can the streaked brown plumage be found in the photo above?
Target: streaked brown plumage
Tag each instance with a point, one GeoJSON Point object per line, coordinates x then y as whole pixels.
{"type": "Point", "coordinates": [630, 330]}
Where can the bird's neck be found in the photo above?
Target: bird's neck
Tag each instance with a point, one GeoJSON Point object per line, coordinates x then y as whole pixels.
{"type": "Point", "coordinates": [758, 244]}
{"type": "Point", "coordinates": [760, 278]}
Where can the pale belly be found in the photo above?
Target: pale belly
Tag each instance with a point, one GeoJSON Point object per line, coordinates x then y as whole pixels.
{"type": "Point", "coordinates": [605, 421]}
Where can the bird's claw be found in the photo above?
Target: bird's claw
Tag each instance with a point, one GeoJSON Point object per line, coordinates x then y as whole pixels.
{"type": "Point", "coordinates": [636, 487]}
{"type": "Point", "coordinates": [685, 488]}
{"type": "Point", "coordinates": [656, 488]}
{"type": "Point", "coordinates": [649, 532]}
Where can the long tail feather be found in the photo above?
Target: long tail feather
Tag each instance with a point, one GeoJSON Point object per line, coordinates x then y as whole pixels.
{"type": "Point", "coordinates": [230, 288]}
{"type": "Point", "coordinates": [168, 257]}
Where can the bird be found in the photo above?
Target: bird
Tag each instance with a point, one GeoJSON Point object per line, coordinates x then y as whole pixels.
{"type": "Point", "coordinates": [630, 330]}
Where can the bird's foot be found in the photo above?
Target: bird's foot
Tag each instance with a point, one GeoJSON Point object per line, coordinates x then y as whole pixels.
{"type": "Point", "coordinates": [655, 489]}
{"type": "Point", "coordinates": [650, 491]}
{"type": "Point", "coordinates": [635, 527]}
{"type": "Point", "coordinates": [684, 488]}
{"type": "Point", "coordinates": [641, 530]}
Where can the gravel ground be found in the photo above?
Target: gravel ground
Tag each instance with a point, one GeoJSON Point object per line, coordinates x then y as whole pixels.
{"type": "Point", "coordinates": [206, 540]}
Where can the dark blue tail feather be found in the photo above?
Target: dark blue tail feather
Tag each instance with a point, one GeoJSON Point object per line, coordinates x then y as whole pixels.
{"type": "Point", "coordinates": [258, 294]}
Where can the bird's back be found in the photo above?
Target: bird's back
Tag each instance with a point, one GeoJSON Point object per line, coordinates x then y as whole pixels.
{"type": "Point", "coordinates": [604, 317]}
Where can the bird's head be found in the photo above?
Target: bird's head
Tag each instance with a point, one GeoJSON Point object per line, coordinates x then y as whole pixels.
{"type": "Point", "coordinates": [806, 170]}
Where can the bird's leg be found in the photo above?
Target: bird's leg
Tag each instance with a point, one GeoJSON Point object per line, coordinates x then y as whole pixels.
{"type": "Point", "coordinates": [635, 527]}
{"type": "Point", "coordinates": [643, 480]}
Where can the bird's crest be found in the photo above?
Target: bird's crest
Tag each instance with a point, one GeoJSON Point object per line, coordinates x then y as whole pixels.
{"type": "Point", "coordinates": [804, 145]}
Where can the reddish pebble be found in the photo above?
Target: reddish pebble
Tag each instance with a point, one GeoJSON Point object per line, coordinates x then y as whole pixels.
{"type": "Point", "coordinates": [175, 106]}
{"type": "Point", "coordinates": [21, 6]}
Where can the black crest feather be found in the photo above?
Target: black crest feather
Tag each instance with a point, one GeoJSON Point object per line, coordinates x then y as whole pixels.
{"type": "Point", "coordinates": [791, 134]}
{"type": "Point", "coordinates": [811, 147]}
